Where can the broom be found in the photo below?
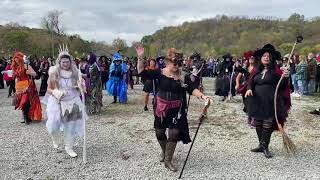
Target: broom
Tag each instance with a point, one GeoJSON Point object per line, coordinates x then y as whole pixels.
{"type": "Point", "coordinates": [288, 144]}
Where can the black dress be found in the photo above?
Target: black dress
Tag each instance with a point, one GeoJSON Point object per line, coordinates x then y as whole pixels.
{"type": "Point", "coordinates": [149, 86]}
{"type": "Point", "coordinates": [44, 70]}
{"type": "Point", "coordinates": [261, 104]}
{"type": "Point", "coordinates": [223, 80]}
{"type": "Point", "coordinates": [173, 87]}
{"type": "Point", "coordinates": [243, 85]}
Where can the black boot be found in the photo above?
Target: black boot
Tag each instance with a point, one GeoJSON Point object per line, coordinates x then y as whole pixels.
{"type": "Point", "coordinates": [170, 147]}
{"type": "Point", "coordinates": [26, 109]}
{"type": "Point", "coordinates": [114, 99]}
{"type": "Point", "coordinates": [163, 144]}
{"type": "Point", "coordinates": [266, 136]}
{"type": "Point", "coordinates": [26, 118]}
{"type": "Point", "coordinates": [259, 134]}
{"type": "Point", "coordinates": [266, 151]}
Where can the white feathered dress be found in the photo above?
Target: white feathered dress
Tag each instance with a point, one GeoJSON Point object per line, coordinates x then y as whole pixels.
{"type": "Point", "coordinates": [68, 114]}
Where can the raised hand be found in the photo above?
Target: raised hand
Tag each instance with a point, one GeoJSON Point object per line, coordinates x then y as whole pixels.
{"type": "Point", "coordinates": [139, 49]}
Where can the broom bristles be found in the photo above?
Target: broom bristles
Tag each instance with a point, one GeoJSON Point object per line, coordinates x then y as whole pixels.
{"type": "Point", "coordinates": [288, 144]}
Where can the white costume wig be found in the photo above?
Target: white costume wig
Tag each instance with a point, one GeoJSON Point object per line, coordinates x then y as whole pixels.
{"type": "Point", "coordinates": [55, 71]}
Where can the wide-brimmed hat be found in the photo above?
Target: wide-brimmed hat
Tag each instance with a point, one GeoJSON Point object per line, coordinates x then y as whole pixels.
{"type": "Point", "coordinates": [117, 57]}
{"type": "Point", "coordinates": [196, 55]}
{"type": "Point", "coordinates": [228, 55]}
{"type": "Point", "coordinates": [276, 55]}
{"type": "Point", "coordinates": [173, 55]}
{"type": "Point", "coordinates": [159, 58]}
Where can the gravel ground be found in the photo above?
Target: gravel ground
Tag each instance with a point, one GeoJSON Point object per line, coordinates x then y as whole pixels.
{"type": "Point", "coordinates": [121, 145]}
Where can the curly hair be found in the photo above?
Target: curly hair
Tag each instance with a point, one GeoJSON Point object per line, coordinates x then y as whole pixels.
{"type": "Point", "coordinates": [271, 66]}
{"type": "Point", "coordinates": [18, 65]}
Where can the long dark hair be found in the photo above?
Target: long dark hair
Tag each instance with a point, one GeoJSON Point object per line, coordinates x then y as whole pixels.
{"type": "Point", "coordinates": [271, 66]}
{"type": "Point", "coordinates": [254, 63]}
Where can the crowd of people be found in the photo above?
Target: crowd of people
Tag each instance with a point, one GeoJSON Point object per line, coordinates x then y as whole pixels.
{"type": "Point", "coordinates": [73, 89]}
{"type": "Point", "coordinates": [304, 71]}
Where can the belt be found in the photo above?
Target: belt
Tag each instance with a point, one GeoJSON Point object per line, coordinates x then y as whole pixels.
{"type": "Point", "coordinates": [167, 95]}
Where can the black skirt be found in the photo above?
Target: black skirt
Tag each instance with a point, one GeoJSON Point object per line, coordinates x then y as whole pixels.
{"type": "Point", "coordinates": [261, 105]}
{"type": "Point", "coordinates": [181, 124]}
{"type": "Point", "coordinates": [148, 86]}
{"type": "Point", "coordinates": [223, 85]}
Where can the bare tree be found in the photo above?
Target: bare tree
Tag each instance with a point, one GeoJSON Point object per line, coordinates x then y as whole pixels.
{"type": "Point", "coordinates": [119, 44]}
{"type": "Point", "coordinates": [52, 22]}
{"type": "Point", "coordinates": [13, 25]}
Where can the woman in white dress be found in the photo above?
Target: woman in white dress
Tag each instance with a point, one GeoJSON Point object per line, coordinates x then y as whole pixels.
{"type": "Point", "coordinates": [65, 110]}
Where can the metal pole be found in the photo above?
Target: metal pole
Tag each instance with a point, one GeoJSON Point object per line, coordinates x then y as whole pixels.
{"type": "Point", "coordinates": [185, 162]}
{"type": "Point", "coordinates": [201, 118]}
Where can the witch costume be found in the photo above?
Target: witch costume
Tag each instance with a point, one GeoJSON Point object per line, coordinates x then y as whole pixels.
{"type": "Point", "coordinates": [171, 111]}
{"type": "Point", "coordinates": [44, 69]}
{"type": "Point", "coordinates": [26, 98]}
{"type": "Point", "coordinates": [246, 75]}
{"type": "Point", "coordinates": [93, 85]}
{"type": "Point", "coordinates": [226, 74]}
{"type": "Point", "coordinates": [261, 104]}
{"type": "Point", "coordinates": [116, 85]}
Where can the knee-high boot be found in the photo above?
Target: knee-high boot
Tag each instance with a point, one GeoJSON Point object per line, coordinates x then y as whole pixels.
{"type": "Point", "coordinates": [25, 112]}
{"type": "Point", "coordinates": [162, 144]}
{"type": "Point", "coordinates": [266, 136]}
{"type": "Point", "coordinates": [259, 134]}
{"type": "Point", "coordinates": [114, 99]}
{"type": "Point", "coordinates": [170, 147]}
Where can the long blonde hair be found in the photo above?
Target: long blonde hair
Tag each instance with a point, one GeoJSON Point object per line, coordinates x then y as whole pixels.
{"type": "Point", "coordinates": [302, 59]}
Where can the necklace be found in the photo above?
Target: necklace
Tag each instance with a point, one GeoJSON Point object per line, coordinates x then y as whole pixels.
{"type": "Point", "coordinates": [264, 73]}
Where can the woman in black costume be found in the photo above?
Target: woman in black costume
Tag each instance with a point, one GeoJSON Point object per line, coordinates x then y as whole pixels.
{"type": "Point", "coordinates": [171, 103]}
{"type": "Point", "coordinates": [224, 78]}
{"type": "Point", "coordinates": [260, 94]}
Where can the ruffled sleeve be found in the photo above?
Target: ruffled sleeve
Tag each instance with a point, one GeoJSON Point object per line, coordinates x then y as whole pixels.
{"type": "Point", "coordinates": [151, 74]}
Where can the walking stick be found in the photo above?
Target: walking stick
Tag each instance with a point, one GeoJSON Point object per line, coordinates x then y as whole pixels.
{"type": "Point", "coordinates": [230, 89]}
{"type": "Point", "coordinates": [201, 118]}
{"type": "Point", "coordinates": [288, 144]}
{"type": "Point", "coordinates": [84, 148]}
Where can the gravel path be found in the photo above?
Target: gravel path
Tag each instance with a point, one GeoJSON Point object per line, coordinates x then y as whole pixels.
{"type": "Point", "coordinates": [122, 145]}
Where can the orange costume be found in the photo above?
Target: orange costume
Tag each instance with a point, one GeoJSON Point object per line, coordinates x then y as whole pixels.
{"type": "Point", "coordinates": [27, 98]}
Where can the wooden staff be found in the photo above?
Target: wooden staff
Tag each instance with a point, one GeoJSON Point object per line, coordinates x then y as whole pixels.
{"type": "Point", "coordinates": [288, 144]}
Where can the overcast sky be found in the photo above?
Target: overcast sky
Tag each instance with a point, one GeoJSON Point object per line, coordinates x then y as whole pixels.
{"type": "Point", "coordinates": [105, 20]}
